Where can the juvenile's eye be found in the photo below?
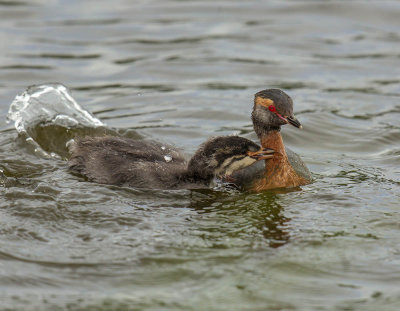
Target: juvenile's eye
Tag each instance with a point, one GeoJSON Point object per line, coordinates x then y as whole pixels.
{"type": "Point", "coordinates": [271, 108]}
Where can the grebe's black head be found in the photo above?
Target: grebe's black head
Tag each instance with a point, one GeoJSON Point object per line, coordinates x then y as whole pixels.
{"type": "Point", "coordinates": [272, 109]}
{"type": "Point", "coordinates": [221, 156]}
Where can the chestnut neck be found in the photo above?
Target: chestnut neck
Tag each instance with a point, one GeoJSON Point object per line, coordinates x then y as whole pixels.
{"type": "Point", "coordinates": [273, 140]}
{"type": "Point", "coordinates": [278, 171]}
{"type": "Point", "coordinates": [278, 167]}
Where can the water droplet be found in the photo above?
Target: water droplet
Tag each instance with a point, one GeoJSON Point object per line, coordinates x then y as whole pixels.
{"type": "Point", "coordinates": [163, 147]}
{"type": "Point", "coordinates": [69, 143]}
{"type": "Point", "coordinates": [168, 158]}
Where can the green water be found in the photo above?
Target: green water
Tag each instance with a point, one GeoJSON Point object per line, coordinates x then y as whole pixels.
{"type": "Point", "coordinates": [180, 72]}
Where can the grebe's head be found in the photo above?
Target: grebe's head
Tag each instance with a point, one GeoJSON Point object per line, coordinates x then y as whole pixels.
{"type": "Point", "coordinates": [272, 109]}
{"type": "Point", "coordinates": [221, 156]}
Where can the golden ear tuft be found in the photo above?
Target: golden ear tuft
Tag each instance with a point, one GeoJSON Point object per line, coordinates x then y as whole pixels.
{"type": "Point", "coordinates": [265, 102]}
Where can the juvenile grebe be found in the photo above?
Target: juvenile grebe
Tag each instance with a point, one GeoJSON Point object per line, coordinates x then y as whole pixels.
{"type": "Point", "coordinates": [122, 161]}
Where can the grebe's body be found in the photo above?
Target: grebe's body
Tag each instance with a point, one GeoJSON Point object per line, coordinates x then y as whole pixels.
{"type": "Point", "coordinates": [279, 172]}
{"type": "Point", "coordinates": [148, 164]}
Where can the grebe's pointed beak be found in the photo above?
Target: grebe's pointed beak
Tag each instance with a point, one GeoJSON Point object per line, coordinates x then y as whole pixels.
{"type": "Point", "coordinates": [262, 154]}
{"type": "Point", "coordinates": [293, 121]}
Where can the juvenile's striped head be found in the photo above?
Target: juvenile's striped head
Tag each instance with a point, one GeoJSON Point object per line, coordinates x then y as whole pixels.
{"type": "Point", "coordinates": [221, 156]}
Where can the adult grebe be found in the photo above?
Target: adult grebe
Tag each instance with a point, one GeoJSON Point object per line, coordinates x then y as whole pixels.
{"type": "Point", "coordinates": [272, 109]}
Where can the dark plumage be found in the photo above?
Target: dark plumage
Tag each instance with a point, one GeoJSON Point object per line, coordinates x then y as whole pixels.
{"type": "Point", "coordinates": [148, 164]}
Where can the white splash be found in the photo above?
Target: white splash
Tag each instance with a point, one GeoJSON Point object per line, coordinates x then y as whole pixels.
{"type": "Point", "coordinates": [48, 103]}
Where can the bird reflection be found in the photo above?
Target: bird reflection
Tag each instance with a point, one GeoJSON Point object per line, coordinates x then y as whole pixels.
{"type": "Point", "coordinates": [260, 211]}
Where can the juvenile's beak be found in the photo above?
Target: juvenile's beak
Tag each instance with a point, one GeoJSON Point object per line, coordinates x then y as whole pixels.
{"type": "Point", "coordinates": [262, 154]}
{"type": "Point", "coordinates": [293, 121]}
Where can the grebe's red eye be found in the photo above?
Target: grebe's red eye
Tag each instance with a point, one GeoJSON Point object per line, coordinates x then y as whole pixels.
{"type": "Point", "coordinates": [271, 108]}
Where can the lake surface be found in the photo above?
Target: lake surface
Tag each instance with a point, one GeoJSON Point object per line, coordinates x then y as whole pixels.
{"type": "Point", "coordinates": [180, 72]}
